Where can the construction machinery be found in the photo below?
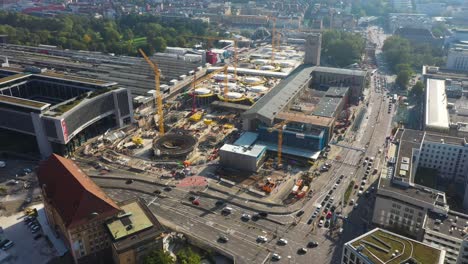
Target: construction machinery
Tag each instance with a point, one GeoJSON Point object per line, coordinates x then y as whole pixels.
{"type": "Point", "coordinates": [159, 103]}
{"type": "Point", "coordinates": [279, 127]}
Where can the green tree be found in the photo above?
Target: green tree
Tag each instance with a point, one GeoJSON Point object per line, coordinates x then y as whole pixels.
{"type": "Point", "coordinates": [187, 256]}
{"type": "Point", "coordinates": [159, 257]}
{"type": "Point", "coordinates": [418, 89]}
{"type": "Point", "coordinates": [403, 78]}
{"type": "Point", "coordinates": [159, 44]}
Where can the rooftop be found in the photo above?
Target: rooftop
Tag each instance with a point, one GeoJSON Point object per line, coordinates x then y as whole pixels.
{"type": "Point", "coordinates": [336, 91]}
{"type": "Point", "coordinates": [436, 138]}
{"type": "Point", "coordinates": [72, 193]}
{"type": "Point", "coordinates": [340, 71]}
{"type": "Point", "coordinates": [327, 106]}
{"type": "Point", "coordinates": [299, 117]}
{"type": "Point", "coordinates": [437, 116]}
{"type": "Point", "coordinates": [274, 101]}
{"type": "Point", "coordinates": [23, 102]}
{"type": "Point", "coordinates": [134, 225]}
{"type": "Point", "coordinates": [13, 77]}
{"type": "Point", "coordinates": [405, 141]}
{"type": "Point", "coordinates": [379, 246]}
{"type": "Point", "coordinates": [455, 224]}
{"type": "Point", "coordinates": [253, 151]}
{"type": "Point", "coordinates": [246, 139]}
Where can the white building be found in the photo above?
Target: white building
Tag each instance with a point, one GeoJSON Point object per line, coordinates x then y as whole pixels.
{"type": "Point", "coordinates": [436, 114]}
{"type": "Point", "coordinates": [457, 59]}
{"type": "Point", "coordinates": [381, 246]}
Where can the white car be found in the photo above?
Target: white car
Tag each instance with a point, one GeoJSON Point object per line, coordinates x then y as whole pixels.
{"type": "Point", "coordinates": [276, 257]}
{"type": "Point", "coordinates": [262, 239]}
{"type": "Point", "coordinates": [320, 223]}
{"type": "Point", "coordinates": [355, 205]}
{"type": "Point", "coordinates": [359, 193]}
{"type": "Point", "coordinates": [282, 241]}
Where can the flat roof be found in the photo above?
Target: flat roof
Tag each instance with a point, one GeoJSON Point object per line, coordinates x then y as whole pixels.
{"type": "Point", "coordinates": [327, 106]}
{"type": "Point", "coordinates": [133, 220]}
{"type": "Point", "coordinates": [340, 71]}
{"type": "Point", "coordinates": [437, 138]}
{"type": "Point", "coordinates": [252, 151]}
{"type": "Point", "coordinates": [379, 245]}
{"type": "Point", "coordinates": [453, 225]}
{"type": "Point", "coordinates": [14, 77]}
{"type": "Point", "coordinates": [336, 91]}
{"type": "Point", "coordinates": [405, 140]}
{"type": "Point", "coordinates": [246, 139]}
{"type": "Point", "coordinates": [300, 117]}
{"type": "Point", "coordinates": [17, 101]}
{"type": "Point", "coordinates": [437, 115]}
{"type": "Point", "coordinates": [279, 96]}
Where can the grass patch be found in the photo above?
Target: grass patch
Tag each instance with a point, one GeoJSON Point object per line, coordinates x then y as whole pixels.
{"type": "Point", "coordinates": [65, 107]}
{"type": "Point", "coordinates": [348, 192]}
{"type": "Point", "coordinates": [426, 177]}
{"type": "Point", "coordinates": [421, 253]}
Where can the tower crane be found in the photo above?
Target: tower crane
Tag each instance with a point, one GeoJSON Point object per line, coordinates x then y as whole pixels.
{"type": "Point", "coordinates": [158, 92]}
{"type": "Point", "coordinates": [279, 127]}
{"type": "Point", "coordinates": [273, 37]}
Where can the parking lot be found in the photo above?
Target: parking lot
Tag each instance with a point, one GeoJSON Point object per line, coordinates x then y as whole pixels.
{"type": "Point", "coordinates": [28, 247]}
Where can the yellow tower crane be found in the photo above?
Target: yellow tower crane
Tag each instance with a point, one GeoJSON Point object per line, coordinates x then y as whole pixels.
{"type": "Point", "coordinates": [279, 127]}
{"type": "Point", "coordinates": [159, 104]}
{"type": "Point", "coordinates": [273, 37]}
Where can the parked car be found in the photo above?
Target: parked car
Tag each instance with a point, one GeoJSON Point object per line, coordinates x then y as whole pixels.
{"type": "Point", "coordinates": [312, 244]}
{"type": "Point", "coordinates": [275, 256]}
{"type": "Point", "coordinates": [301, 212]}
{"type": "Point", "coordinates": [282, 241]}
{"type": "Point", "coordinates": [262, 239]}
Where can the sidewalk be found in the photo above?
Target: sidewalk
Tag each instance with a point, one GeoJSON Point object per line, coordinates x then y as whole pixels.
{"type": "Point", "coordinates": [57, 242]}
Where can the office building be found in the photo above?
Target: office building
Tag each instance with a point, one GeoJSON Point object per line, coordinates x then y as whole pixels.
{"type": "Point", "coordinates": [60, 111]}
{"type": "Point", "coordinates": [134, 232]}
{"type": "Point", "coordinates": [457, 59]}
{"type": "Point", "coordinates": [381, 246]}
{"type": "Point", "coordinates": [76, 209]}
{"type": "Point", "coordinates": [415, 210]}
{"type": "Point", "coordinates": [313, 47]}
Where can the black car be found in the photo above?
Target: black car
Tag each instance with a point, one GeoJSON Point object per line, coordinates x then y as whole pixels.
{"type": "Point", "coordinates": [302, 251]}
{"type": "Point", "coordinates": [301, 212]}
{"type": "Point", "coordinates": [310, 221]}
{"type": "Point", "coordinates": [341, 176]}
{"type": "Point", "coordinates": [223, 239]}
{"type": "Point", "coordinates": [219, 203]}
{"type": "Point", "coordinates": [330, 192]}
{"type": "Point", "coordinates": [129, 181]}
{"type": "Point", "coordinates": [157, 191]}
{"type": "Point", "coordinates": [263, 214]}
{"type": "Point", "coordinates": [4, 242]}
{"type": "Point", "coordinates": [312, 244]}
{"type": "Point", "coordinates": [192, 198]}
{"type": "Point", "coordinates": [167, 189]}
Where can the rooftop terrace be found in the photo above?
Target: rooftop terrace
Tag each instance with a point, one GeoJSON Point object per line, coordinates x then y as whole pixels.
{"type": "Point", "coordinates": [379, 246]}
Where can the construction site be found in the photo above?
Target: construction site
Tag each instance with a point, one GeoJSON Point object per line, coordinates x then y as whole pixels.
{"type": "Point", "coordinates": [254, 118]}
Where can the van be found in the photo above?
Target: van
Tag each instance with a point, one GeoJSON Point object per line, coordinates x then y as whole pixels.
{"type": "Point", "coordinates": [8, 245]}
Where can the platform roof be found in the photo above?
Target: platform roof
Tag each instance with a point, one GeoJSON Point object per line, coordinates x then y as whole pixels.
{"type": "Point", "coordinates": [437, 116]}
